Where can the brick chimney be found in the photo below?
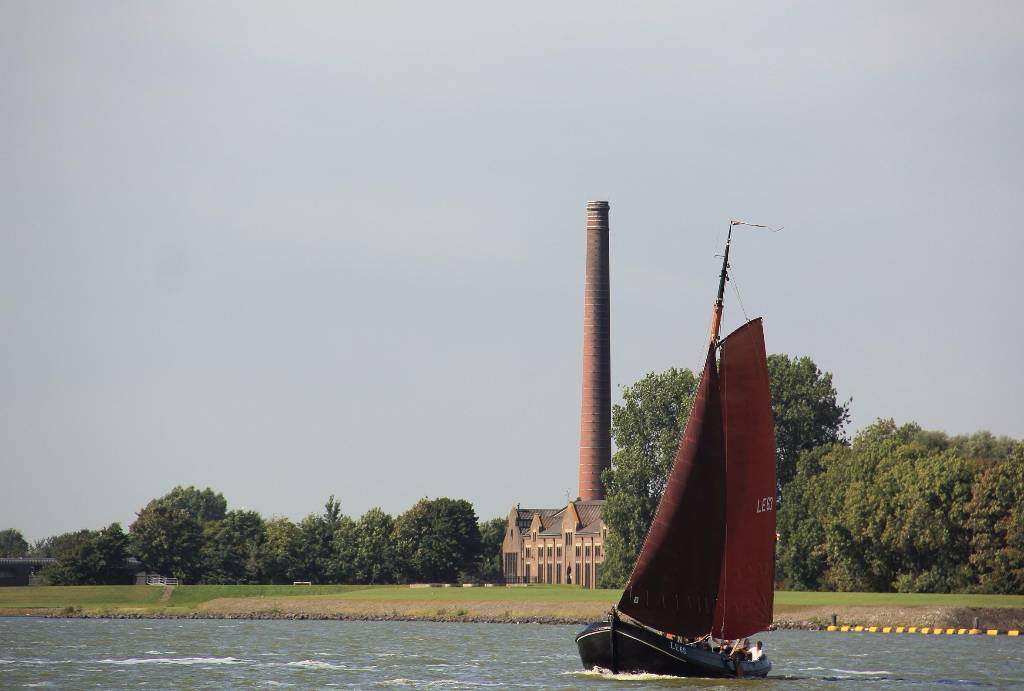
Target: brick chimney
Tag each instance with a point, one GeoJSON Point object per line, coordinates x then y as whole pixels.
{"type": "Point", "coordinates": [596, 413]}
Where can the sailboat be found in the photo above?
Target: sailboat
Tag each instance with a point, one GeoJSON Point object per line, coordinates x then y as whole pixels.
{"type": "Point", "coordinates": [707, 566]}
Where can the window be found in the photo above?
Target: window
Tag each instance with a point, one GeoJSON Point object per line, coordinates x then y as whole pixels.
{"type": "Point", "coordinates": [528, 552]}
{"type": "Point", "coordinates": [586, 550]}
{"type": "Point", "coordinates": [577, 552]}
{"type": "Point", "coordinates": [568, 539]}
{"type": "Point", "coordinates": [558, 552]}
{"type": "Point", "coordinates": [551, 551]}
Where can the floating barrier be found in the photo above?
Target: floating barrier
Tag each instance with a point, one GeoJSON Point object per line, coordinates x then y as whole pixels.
{"type": "Point", "coordinates": [925, 630]}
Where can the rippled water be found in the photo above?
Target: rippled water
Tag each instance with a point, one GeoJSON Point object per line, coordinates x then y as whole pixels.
{"type": "Point", "coordinates": [198, 654]}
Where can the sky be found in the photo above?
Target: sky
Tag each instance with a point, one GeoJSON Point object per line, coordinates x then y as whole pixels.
{"type": "Point", "coordinates": [293, 250]}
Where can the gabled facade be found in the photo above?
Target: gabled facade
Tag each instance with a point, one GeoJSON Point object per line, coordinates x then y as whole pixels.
{"type": "Point", "coordinates": [555, 546]}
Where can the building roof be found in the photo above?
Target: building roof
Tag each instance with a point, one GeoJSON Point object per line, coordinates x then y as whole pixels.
{"type": "Point", "coordinates": [589, 513]}
{"type": "Point", "coordinates": [524, 517]}
{"type": "Point", "coordinates": [28, 561]}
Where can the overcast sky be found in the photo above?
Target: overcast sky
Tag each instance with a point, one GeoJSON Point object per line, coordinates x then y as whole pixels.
{"type": "Point", "coordinates": [294, 249]}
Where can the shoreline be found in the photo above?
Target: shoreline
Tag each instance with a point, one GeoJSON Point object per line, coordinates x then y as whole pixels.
{"type": "Point", "coordinates": [274, 609]}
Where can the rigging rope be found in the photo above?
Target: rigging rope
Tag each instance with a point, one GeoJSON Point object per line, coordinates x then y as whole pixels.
{"type": "Point", "coordinates": [736, 289]}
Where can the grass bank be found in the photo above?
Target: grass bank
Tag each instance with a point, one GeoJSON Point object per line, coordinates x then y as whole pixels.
{"type": "Point", "coordinates": [563, 604]}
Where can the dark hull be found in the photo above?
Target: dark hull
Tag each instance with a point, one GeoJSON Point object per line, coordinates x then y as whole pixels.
{"type": "Point", "coordinates": [637, 649]}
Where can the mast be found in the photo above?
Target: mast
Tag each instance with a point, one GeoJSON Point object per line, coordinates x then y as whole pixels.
{"type": "Point", "coordinates": [677, 580]}
{"type": "Point", "coordinates": [716, 311]}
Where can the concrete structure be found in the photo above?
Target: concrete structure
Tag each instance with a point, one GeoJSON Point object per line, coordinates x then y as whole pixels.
{"type": "Point", "coordinates": [566, 545]}
{"type": "Point", "coordinates": [22, 570]}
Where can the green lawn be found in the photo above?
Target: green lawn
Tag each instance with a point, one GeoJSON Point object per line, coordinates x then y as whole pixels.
{"type": "Point", "coordinates": [88, 596]}
{"type": "Point", "coordinates": [785, 598]}
{"type": "Point", "coordinates": [533, 593]}
{"type": "Point", "coordinates": [186, 597]}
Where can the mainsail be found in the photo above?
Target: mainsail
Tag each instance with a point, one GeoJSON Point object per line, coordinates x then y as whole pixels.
{"type": "Point", "coordinates": [708, 563]}
{"type": "Point", "coordinates": [746, 587]}
{"type": "Point", "coordinates": [674, 583]}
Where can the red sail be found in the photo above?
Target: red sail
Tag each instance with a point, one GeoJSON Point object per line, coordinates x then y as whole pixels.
{"type": "Point", "coordinates": [746, 588]}
{"type": "Point", "coordinates": [675, 580]}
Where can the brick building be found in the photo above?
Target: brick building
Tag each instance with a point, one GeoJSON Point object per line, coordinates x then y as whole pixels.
{"type": "Point", "coordinates": [556, 545]}
{"type": "Point", "coordinates": [566, 545]}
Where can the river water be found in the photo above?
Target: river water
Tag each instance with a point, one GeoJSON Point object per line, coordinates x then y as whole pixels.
{"type": "Point", "coordinates": [219, 654]}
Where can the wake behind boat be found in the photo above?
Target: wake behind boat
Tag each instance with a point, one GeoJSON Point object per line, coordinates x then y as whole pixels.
{"type": "Point", "coordinates": [707, 567]}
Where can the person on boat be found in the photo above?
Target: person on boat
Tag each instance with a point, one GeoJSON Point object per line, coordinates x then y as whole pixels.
{"type": "Point", "coordinates": [757, 653]}
{"type": "Point", "coordinates": [739, 649]}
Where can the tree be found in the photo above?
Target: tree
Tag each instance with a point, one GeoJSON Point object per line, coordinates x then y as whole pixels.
{"type": "Point", "coordinates": [279, 552]}
{"type": "Point", "coordinates": [805, 409]}
{"type": "Point", "coordinates": [996, 525]}
{"type": "Point", "coordinates": [887, 513]}
{"type": "Point", "coordinates": [440, 539]}
{"type": "Point", "coordinates": [647, 427]}
{"type": "Point", "coordinates": [231, 548]}
{"type": "Point", "coordinates": [12, 543]}
{"type": "Point", "coordinates": [488, 566]}
{"type": "Point", "coordinates": [203, 505]}
{"type": "Point", "coordinates": [801, 553]}
{"type": "Point", "coordinates": [345, 547]}
{"type": "Point", "coordinates": [316, 558]}
{"type": "Point", "coordinates": [50, 547]}
{"type": "Point", "coordinates": [68, 549]}
{"type": "Point", "coordinates": [168, 541]}
{"type": "Point", "coordinates": [375, 559]}
{"type": "Point", "coordinates": [90, 557]}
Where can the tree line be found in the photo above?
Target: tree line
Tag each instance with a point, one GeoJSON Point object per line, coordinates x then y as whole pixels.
{"type": "Point", "coordinates": [191, 535]}
{"type": "Point", "coordinates": [898, 508]}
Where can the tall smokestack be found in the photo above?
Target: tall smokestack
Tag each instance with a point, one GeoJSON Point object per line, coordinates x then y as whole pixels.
{"type": "Point", "coordinates": [596, 413]}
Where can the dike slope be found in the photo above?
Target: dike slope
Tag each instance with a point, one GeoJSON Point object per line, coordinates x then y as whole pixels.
{"type": "Point", "coordinates": [517, 612]}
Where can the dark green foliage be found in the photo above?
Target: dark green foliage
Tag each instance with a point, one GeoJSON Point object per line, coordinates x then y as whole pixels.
{"type": "Point", "coordinates": [904, 509]}
{"type": "Point", "coordinates": [439, 538]}
{"type": "Point", "coordinates": [188, 534]}
{"type": "Point", "coordinates": [806, 411]}
{"type": "Point", "coordinates": [91, 557]}
{"type": "Point", "coordinates": [54, 545]}
{"type": "Point", "coordinates": [375, 559]}
{"type": "Point", "coordinates": [646, 427]}
{"type": "Point", "coordinates": [231, 548]}
{"type": "Point", "coordinates": [341, 567]}
{"type": "Point", "coordinates": [279, 555]}
{"type": "Point", "coordinates": [488, 564]}
{"type": "Point", "coordinates": [316, 561]}
{"type": "Point", "coordinates": [168, 541]}
{"type": "Point", "coordinates": [203, 505]}
{"type": "Point", "coordinates": [12, 543]}
{"type": "Point", "coordinates": [996, 524]}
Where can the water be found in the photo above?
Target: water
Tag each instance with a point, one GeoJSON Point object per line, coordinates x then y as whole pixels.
{"type": "Point", "coordinates": [217, 654]}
